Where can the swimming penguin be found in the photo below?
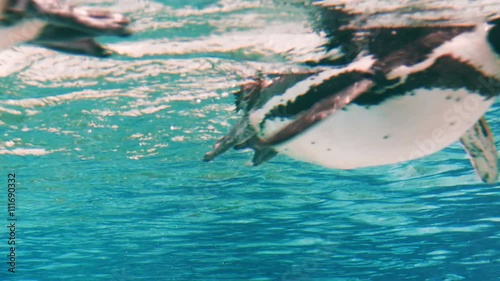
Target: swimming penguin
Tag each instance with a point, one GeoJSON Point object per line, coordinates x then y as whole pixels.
{"type": "Point", "coordinates": [54, 25]}
{"type": "Point", "coordinates": [405, 91]}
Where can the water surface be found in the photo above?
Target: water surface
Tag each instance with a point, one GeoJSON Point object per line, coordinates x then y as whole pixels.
{"type": "Point", "coordinates": [111, 186]}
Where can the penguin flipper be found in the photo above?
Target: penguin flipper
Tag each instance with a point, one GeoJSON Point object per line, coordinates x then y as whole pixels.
{"type": "Point", "coordinates": [319, 111]}
{"type": "Point", "coordinates": [479, 144]}
{"type": "Point", "coordinates": [87, 46]}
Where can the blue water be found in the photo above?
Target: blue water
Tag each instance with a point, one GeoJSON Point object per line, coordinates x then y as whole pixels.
{"type": "Point", "coordinates": [111, 186]}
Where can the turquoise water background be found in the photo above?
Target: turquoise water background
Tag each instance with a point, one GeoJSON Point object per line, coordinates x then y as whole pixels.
{"type": "Point", "coordinates": [111, 186]}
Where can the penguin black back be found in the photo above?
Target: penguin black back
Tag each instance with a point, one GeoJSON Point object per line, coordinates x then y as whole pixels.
{"type": "Point", "coordinates": [494, 35]}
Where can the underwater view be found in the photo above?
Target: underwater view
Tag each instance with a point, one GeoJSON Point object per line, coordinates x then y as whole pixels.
{"type": "Point", "coordinates": [105, 158]}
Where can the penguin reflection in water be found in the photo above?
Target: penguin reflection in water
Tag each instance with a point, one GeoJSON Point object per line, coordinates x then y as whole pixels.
{"type": "Point", "coordinates": [54, 25]}
{"type": "Point", "coordinates": [411, 90]}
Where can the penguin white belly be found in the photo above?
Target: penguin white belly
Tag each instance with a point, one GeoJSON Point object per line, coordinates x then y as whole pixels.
{"type": "Point", "coordinates": [399, 129]}
{"type": "Point", "coordinates": [22, 32]}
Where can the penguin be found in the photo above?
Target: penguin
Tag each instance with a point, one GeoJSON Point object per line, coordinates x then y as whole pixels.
{"type": "Point", "coordinates": [398, 92]}
{"type": "Point", "coordinates": [57, 26]}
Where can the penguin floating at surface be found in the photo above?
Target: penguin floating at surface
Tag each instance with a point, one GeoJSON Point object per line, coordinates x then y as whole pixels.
{"type": "Point", "coordinates": [411, 90]}
{"type": "Point", "coordinates": [54, 25]}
